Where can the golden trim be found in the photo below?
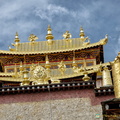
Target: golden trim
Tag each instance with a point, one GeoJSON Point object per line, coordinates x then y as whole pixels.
{"type": "Point", "coordinates": [89, 69]}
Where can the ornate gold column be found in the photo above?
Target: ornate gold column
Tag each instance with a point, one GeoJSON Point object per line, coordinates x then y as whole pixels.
{"type": "Point", "coordinates": [75, 67]}
{"type": "Point", "coordinates": [25, 78]}
{"type": "Point", "coordinates": [47, 66]}
{"type": "Point", "coordinates": [116, 75]}
{"type": "Point", "coordinates": [107, 81]}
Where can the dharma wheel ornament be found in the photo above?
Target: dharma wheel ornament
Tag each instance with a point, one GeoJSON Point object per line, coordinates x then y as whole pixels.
{"type": "Point", "coordinates": [40, 76]}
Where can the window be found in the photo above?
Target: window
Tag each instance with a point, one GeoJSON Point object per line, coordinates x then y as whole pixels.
{"type": "Point", "coordinates": [89, 64]}
{"type": "Point", "coordinates": [10, 70]}
{"type": "Point", "coordinates": [80, 64]}
{"type": "Point", "coordinates": [54, 67]}
{"type": "Point", "coordinates": [68, 66]}
{"type": "Point", "coordinates": [28, 69]}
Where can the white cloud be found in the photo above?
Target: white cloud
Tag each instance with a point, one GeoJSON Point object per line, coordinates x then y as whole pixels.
{"type": "Point", "coordinates": [49, 12]}
{"type": "Point", "coordinates": [56, 10]}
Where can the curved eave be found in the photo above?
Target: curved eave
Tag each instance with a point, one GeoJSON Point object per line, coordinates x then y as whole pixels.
{"type": "Point", "coordinates": [101, 42]}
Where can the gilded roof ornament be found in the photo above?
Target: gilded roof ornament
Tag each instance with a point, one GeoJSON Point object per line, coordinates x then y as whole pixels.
{"type": "Point", "coordinates": [16, 38]}
{"type": "Point", "coordinates": [49, 28]}
{"type": "Point", "coordinates": [82, 35]}
{"type": "Point", "coordinates": [40, 75]}
{"type": "Point", "coordinates": [11, 49]}
{"type": "Point", "coordinates": [32, 38]}
{"type": "Point", "coordinates": [86, 77]}
{"type": "Point", "coordinates": [62, 67]}
{"type": "Point", "coordinates": [67, 35]}
{"type": "Point", "coordinates": [49, 35]}
{"type": "Point", "coordinates": [104, 41]}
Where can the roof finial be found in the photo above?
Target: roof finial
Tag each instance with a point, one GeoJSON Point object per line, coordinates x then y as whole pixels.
{"type": "Point", "coordinates": [49, 28]}
{"type": "Point", "coordinates": [49, 35]}
{"type": "Point", "coordinates": [82, 34]}
{"type": "Point", "coordinates": [16, 38]}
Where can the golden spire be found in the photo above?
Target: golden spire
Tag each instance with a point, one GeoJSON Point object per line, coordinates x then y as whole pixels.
{"type": "Point", "coordinates": [49, 28]}
{"type": "Point", "coordinates": [49, 35]}
{"type": "Point", "coordinates": [82, 34]}
{"type": "Point", "coordinates": [16, 38]}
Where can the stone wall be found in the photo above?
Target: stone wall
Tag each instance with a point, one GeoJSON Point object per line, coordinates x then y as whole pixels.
{"type": "Point", "coordinates": [59, 105]}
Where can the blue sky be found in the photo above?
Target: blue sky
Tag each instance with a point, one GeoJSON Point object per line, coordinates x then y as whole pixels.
{"type": "Point", "coordinates": [97, 17]}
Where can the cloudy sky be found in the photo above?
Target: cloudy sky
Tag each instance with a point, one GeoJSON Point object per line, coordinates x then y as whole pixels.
{"type": "Point", "coordinates": [97, 17]}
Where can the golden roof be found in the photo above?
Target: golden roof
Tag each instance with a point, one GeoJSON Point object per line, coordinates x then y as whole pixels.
{"type": "Point", "coordinates": [42, 47]}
